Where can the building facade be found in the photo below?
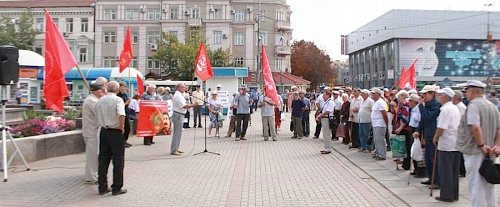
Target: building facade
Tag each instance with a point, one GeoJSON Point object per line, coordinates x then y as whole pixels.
{"type": "Point", "coordinates": [227, 24]}
{"type": "Point", "coordinates": [449, 45]}
{"type": "Point", "coordinates": [75, 19]}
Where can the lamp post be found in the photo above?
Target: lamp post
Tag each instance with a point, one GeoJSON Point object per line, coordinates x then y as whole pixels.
{"type": "Point", "coordinates": [489, 40]}
{"type": "Point", "coordinates": [259, 40]}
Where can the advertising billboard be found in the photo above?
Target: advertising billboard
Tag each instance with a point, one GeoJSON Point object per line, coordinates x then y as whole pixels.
{"type": "Point", "coordinates": [444, 57]}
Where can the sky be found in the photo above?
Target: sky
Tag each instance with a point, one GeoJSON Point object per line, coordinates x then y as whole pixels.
{"type": "Point", "coordinates": [323, 21]}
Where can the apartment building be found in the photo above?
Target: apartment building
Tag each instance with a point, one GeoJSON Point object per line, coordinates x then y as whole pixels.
{"type": "Point", "coordinates": [226, 24]}
{"type": "Point", "coordinates": [75, 19]}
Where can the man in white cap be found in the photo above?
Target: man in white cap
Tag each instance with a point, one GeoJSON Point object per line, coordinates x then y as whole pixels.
{"type": "Point", "coordinates": [481, 131]}
{"type": "Point", "coordinates": [457, 101]}
{"type": "Point", "coordinates": [364, 114]}
{"type": "Point", "coordinates": [319, 103]}
{"type": "Point", "coordinates": [429, 111]}
{"type": "Point", "coordinates": [379, 123]}
{"type": "Point", "coordinates": [198, 98]}
{"type": "Point", "coordinates": [446, 139]}
{"type": "Point", "coordinates": [355, 106]}
{"type": "Point", "coordinates": [338, 104]}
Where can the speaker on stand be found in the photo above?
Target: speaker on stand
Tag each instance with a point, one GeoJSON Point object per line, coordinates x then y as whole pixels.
{"type": "Point", "coordinates": [9, 75]}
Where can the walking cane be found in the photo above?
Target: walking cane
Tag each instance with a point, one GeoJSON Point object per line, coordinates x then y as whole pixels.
{"type": "Point", "coordinates": [433, 169]}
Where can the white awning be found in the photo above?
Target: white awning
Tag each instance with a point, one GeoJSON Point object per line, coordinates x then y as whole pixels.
{"type": "Point", "coordinates": [30, 58]}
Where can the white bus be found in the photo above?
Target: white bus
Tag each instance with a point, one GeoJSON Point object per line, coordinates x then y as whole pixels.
{"type": "Point", "coordinates": [170, 83]}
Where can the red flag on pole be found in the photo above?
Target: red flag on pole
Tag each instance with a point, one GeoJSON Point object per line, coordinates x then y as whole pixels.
{"type": "Point", "coordinates": [140, 85]}
{"type": "Point", "coordinates": [126, 53]}
{"type": "Point", "coordinates": [268, 78]}
{"type": "Point", "coordinates": [408, 77]}
{"type": "Point", "coordinates": [58, 61]}
{"type": "Point", "coordinates": [203, 68]}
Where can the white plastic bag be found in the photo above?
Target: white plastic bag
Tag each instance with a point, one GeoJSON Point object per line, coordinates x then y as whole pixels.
{"type": "Point", "coordinates": [417, 153]}
{"type": "Point", "coordinates": [283, 116]}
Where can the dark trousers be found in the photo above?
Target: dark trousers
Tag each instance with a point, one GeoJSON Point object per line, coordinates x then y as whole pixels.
{"type": "Point", "coordinates": [297, 126]}
{"type": "Point", "coordinates": [347, 137]}
{"type": "Point", "coordinates": [318, 129]}
{"type": "Point", "coordinates": [429, 159]}
{"type": "Point", "coordinates": [336, 124]}
{"type": "Point", "coordinates": [408, 142]}
{"type": "Point", "coordinates": [462, 165]}
{"type": "Point", "coordinates": [285, 104]}
{"type": "Point", "coordinates": [355, 136]}
{"type": "Point", "coordinates": [197, 115]}
{"type": "Point", "coordinates": [255, 104]}
{"type": "Point", "coordinates": [387, 141]}
{"type": "Point", "coordinates": [187, 115]}
{"type": "Point", "coordinates": [449, 166]}
{"type": "Point", "coordinates": [148, 140]}
{"type": "Point", "coordinates": [111, 147]}
{"type": "Point", "coordinates": [127, 129]}
{"type": "Point", "coordinates": [306, 127]}
{"type": "Point", "coordinates": [241, 124]}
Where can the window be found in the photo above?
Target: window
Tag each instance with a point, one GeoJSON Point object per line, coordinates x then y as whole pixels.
{"type": "Point", "coordinates": [56, 21]}
{"type": "Point", "coordinates": [217, 13]}
{"type": "Point", "coordinates": [109, 61]}
{"type": "Point", "coordinates": [239, 15]}
{"type": "Point", "coordinates": [83, 55]}
{"type": "Point", "coordinates": [109, 14]}
{"type": "Point", "coordinates": [174, 14]}
{"type": "Point", "coordinates": [85, 25]}
{"type": "Point", "coordinates": [280, 15]}
{"type": "Point", "coordinates": [153, 37]}
{"type": "Point", "coordinates": [263, 38]}
{"type": "Point", "coordinates": [132, 14]}
{"type": "Point", "coordinates": [135, 36]}
{"type": "Point", "coordinates": [239, 39]}
{"type": "Point", "coordinates": [154, 14]}
{"type": "Point", "coordinates": [153, 64]}
{"type": "Point", "coordinates": [238, 61]}
{"type": "Point", "coordinates": [195, 13]}
{"type": "Point", "coordinates": [174, 33]}
{"type": "Point", "coordinates": [38, 50]}
{"type": "Point", "coordinates": [39, 24]}
{"type": "Point", "coordinates": [279, 64]}
{"type": "Point", "coordinates": [109, 37]}
{"type": "Point", "coordinates": [69, 25]}
{"type": "Point", "coordinates": [217, 38]}
{"type": "Point", "coordinates": [134, 63]}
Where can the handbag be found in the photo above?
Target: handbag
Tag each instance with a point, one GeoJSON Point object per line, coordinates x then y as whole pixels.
{"type": "Point", "coordinates": [490, 171]}
{"type": "Point", "coordinates": [340, 130]}
{"type": "Point", "coordinates": [220, 116]}
{"type": "Point", "coordinates": [398, 146]}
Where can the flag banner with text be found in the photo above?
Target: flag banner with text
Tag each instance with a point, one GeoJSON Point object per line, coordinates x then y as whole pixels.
{"type": "Point", "coordinates": [268, 78]}
{"type": "Point", "coordinates": [153, 119]}
{"type": "Point", "coordinates": [203, 68]}
{"type": "Point", "coordinates": [126, 54]}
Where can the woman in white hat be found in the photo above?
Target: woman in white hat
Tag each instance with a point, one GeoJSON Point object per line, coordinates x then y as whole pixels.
{"type": "Point", "coordinates": [214, 107]}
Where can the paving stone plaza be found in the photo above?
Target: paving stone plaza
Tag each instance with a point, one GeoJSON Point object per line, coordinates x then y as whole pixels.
{"type": "Point", "coordinates": [288, 172]}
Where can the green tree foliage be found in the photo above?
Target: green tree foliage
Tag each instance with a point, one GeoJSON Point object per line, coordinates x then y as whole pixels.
{"type": "Point", "coordinates": [18, 33]}
{"type": "Point", "coordinates": [177, 60]}
{"type": "Point", "coordinates": [308, 61]}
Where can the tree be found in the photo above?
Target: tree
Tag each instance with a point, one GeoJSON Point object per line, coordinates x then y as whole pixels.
{"type": "Point", "coordinates": [308, 61]}
{"type": "Point", "coordinates": [177, 60]}
{"type": "Point", "coordinates": [18, 33]}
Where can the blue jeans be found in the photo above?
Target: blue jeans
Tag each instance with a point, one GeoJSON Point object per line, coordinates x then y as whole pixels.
{"type": "Point", "coordinates": [364, 132]}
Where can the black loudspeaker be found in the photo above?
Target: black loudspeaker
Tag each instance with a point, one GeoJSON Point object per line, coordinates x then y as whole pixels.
{"type": "Point", "coordinates": [9, 65]}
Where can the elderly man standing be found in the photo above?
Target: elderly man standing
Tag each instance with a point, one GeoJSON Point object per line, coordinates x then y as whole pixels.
{"type": "Point", "coordinates": [242, 103]}
{"type": "Point", "coordinates": [90, 130]}
{"type": "Point", "coordinates": [198, 98]}
{"type": "Point", "coordinates": [267, 112]}
{"type": "Point", "coordinates": [319, 102]}
{"type": "Point", "coordinates": [446, 139]}
{"type": "Point", "coordinates": [306, 128]}
{"type": "Point", "coordinates": [356, 101]}
{"type": "Point", "coordinates": [110, 110]}
{"type": "Point", "coordinates": [379, 123]}
{"type": "Point", "coordinates": [481, 131]}
{"type": "Point", "coordinates": [123, 94]}
{"type": "Point", "coordinates": [364, 120]}
{"type": "Point", "coordinates": [150, 95]}
{"type": "Point", "coordinates": [179, 108]}
{"type": "Point", "coordinates": [429, 111]}
{"type": "Point", "coordinates": [325, 112]}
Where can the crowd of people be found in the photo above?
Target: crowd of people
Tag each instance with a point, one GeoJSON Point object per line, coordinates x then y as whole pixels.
{"type": "Point", "coordinates": [456, 128]}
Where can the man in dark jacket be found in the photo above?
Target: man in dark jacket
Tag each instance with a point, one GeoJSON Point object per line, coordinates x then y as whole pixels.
{"type": "Point", "coordinates": [429, 112]}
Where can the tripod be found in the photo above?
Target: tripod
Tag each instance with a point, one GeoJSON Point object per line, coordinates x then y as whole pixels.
{"type": "Point", "coordinates": [5, 133]}
{"type": "Point", "coordinates": [204, 102]}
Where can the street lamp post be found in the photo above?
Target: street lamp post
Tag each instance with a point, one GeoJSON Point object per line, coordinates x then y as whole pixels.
{"type": "Point", "coordinates": [259, 39]}
{"type": "Point", "coordinates": [489, 39]}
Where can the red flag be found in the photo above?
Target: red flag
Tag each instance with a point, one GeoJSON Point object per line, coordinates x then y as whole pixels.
{"type": "Point", "coordinates": [268, 78]}
{"type": "Point", "coordinates": [203, 68]}
{"type": "Point", "coordinates": [408, 77]}
{"type": "Point", "coordinates": [126, 53]}
{"type": "Point", "coordinates": [140, 85]}
{"type": "Point", "coordinates": [58, 61]}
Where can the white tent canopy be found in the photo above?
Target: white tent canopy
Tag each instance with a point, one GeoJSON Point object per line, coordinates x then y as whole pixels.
{"type": "Point", "coordinates": [30, 58]}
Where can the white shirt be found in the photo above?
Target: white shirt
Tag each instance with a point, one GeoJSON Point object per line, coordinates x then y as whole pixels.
{"type": "Point", "coordinates": [198, 97]}
{"type": "Point", "coordinates": [213, 103]}
{"type": "Point", "coordinates": [134, 105]}
{"type": "Point", "coordinates": [377, 118]}
{"type": "Point", "coordinates": [462, 108]}
{"type": "Point", "coordinates": [448, 119]}
{"type": "Point", "coordinates": [415, 117]}
{"type": "Point", "coordinates": [319, 101]}
{"type": "Point", "coordinates": [109, 108]}
{"type": "Point", "coordinates": [329, 106]}
{"type": "Point", "coordinates": [89, 125]}
{"type": "Point", "coordinates": [365, 111]}
{"type": "Point", "coordinates": [355, 103]}
{"type": "Point", "coordinates": [178, 103]}
{"type": "Point", "coordinates": [338, 103]}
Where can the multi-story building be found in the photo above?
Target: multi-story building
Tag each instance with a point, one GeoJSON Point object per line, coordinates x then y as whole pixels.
{"type": "Point", "coordinates": [226, 24]}
{"type": "Point", "coordinates": [442, 45]}
{"type": "Point", "coordinates": [75, 19]}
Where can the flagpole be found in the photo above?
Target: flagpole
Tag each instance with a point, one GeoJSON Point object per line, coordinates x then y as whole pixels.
{"type": "Point", "coordinates": [83, 77]}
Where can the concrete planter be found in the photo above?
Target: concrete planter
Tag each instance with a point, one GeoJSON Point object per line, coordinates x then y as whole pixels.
{"type": "Point", "coordinates": [48, 145]}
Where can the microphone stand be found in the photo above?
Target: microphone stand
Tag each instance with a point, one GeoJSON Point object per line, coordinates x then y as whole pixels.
{"type": "Point", "coordinates": [205, 103]}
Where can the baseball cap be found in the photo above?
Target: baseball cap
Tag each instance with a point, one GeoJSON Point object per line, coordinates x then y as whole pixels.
{"type": "Point", "coordinates": [412, 91]}
{"type": "Point", "coordinates": [428, 88]}
{"type": "Point", "coordinates": [475, 83]}
{"type": "Point", "coordinates": [414, 97]}
{"type": "Point", "coordinates": [365, 91]}
{"type": "Point", "coordinates": [458, 93]}
{"type": "Point", "coordinates": [377, 90]}
{"type": "Point", "coordinates": [95, 87]}
{"type": "Point", "coordinates": [219, 86]}
{"type": "Point", "coordinates": [448, 91]}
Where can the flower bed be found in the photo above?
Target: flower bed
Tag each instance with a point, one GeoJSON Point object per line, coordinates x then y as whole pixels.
{"type": "Point", "coordinates": [37, 126]}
